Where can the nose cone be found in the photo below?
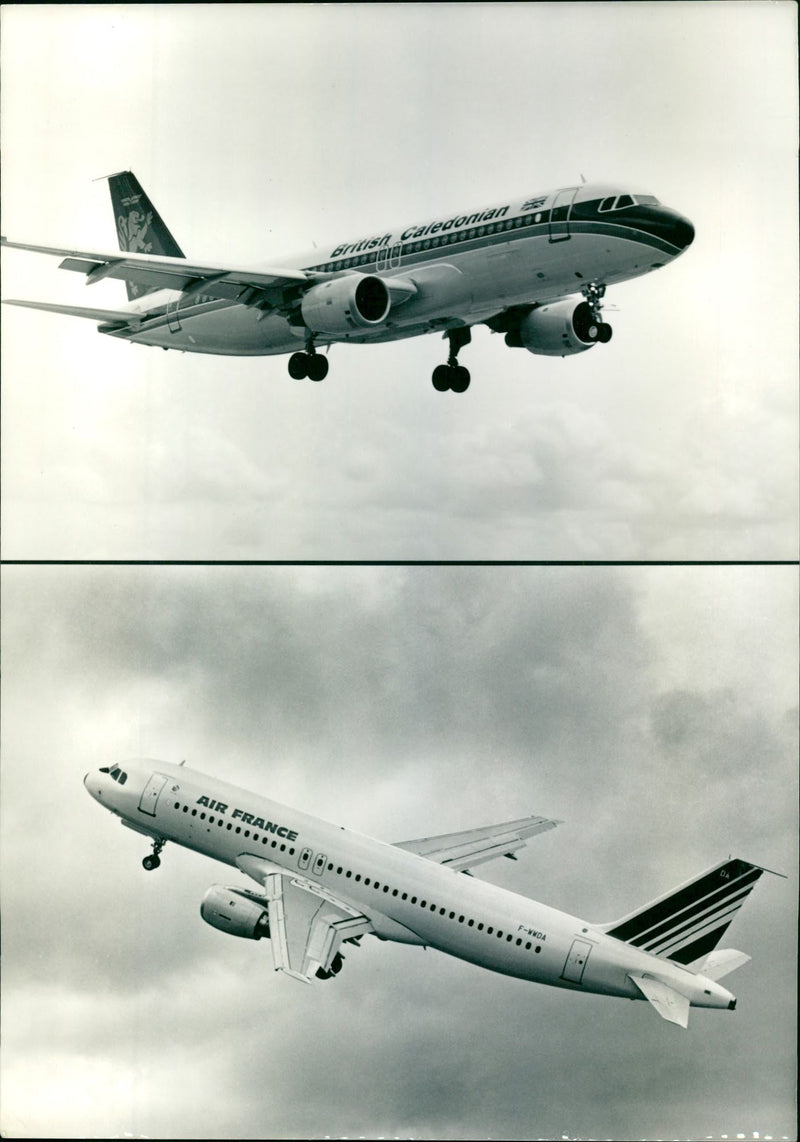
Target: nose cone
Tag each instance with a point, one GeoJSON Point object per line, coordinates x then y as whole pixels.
{"type": "Point", "coordinates": [91, 783]}
{"type": "Point", "coordinates": [682, 231]}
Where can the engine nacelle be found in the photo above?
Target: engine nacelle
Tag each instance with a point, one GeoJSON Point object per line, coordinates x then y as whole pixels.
{"type": "Point", "coordinates": [356, 301]}
{"type": "Point", "coordinates": [559, 329]}
{"type": "Point", "coordinates": [235, 912]}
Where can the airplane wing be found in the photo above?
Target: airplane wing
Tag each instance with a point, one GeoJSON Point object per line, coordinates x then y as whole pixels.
{"type": "Point", "coordinates": [475, 846]}
{"type": "Point", "coordinates": [161, 272]}
{"type": "Point", "coordinates": [307, 924]}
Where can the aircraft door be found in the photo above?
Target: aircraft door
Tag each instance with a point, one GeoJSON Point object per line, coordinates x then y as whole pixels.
{"type": "Point", "coordinates": [319, 864]}
{"type": "Point", "coordinates": [150, 794]}
{"type": "Point", "coordinates": [559, 214]}
{"type": "Point", "coordinates": [576, 961]}
{"type": "Point", "coordinates": [304, 859]}
{"type": "Point", "coordinates": [388, 258]}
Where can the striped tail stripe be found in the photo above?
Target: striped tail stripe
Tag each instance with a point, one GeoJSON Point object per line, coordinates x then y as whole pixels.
{"type": "Point", "coordinates": [691, 920]}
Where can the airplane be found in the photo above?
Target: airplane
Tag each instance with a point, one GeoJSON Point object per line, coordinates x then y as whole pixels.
{"type": "Point", "coordinates": [322, 886]}
{"type": "Point", "coordinates": [534, 268]}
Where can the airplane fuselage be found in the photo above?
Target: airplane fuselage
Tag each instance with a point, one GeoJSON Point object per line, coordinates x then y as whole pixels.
{"type": "Point", "coordinates": [407, 897]}
{"type": "Point", "coordinates": [467, 268]}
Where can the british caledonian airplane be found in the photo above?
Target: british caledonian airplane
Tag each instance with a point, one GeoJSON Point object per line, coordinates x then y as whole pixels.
{"type": "Point", "coordinates": [517, 267]}
{"type": "Point", "coordinates": [321, 886]}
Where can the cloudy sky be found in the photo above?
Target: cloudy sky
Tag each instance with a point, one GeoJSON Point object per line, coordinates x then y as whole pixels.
{"type": "Point", "coordinates": [653, 709]}
{"type": "Point", "coordinates": [258, 130]}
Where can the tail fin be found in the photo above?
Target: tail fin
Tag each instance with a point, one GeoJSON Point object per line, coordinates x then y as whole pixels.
{"type": "Point", "coordinates": [688, 922]}
{"type": "Point", "coordinates": [140, 228]}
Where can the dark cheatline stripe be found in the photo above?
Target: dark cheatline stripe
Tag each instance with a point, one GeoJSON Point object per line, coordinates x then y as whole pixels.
{"type": "Point", "coordinates": [699, 947]}
{"type": "Point", "coordinates": [714, 903]}
{"type": "Point", "coordinates": [665, 945]}
{"type": "Point", "coordinates": [720, 878]}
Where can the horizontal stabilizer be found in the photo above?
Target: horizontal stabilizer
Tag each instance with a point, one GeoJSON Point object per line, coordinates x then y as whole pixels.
{"type": "Point", "coordinates": [669, 1004]}
{"type": "Point", "coordinates": [720, 963]}
{"type": "Point", "coordinates": [117, 316]}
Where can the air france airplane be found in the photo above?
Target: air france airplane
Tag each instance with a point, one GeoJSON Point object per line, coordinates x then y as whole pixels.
{"type": "Point", "coordinates": [321, 886]}
{"type": "Point", "coordinates": [535, 268]}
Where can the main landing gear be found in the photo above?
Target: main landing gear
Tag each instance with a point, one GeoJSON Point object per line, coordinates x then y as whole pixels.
{"type": "Point", "coordinates": [453, 376]}
{"type": "Point", "coordinates": [594, 293]}
{"type": "Point", "coordinates": [151, 862]}
{"type": "Point", "coordinates": [309, 364]}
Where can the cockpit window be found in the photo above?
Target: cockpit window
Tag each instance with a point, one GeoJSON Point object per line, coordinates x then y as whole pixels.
{"type": "Point", "coordinates": [647, 199]}
{"type": "Point", "coordinates": [607, 203]}
{"type": "Point", "coordinates": [104, 769]}
{"type": "Point", "coordinates": [118, 775]}
{"type": "Point", "coordinates": [623, 200]}
{"type": "Point", "coordinates": [123, 777]}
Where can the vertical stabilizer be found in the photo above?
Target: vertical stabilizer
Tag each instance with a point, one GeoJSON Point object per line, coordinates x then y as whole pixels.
{"type": "Point", "coordinates": [140, 228]}
{"type": "Point", "coordinates": [688, 922]}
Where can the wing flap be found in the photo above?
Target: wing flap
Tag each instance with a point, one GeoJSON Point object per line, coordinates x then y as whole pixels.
{"type": "Point", "coordinates": [307, 923]}
{"type": "Point", "coordinates": [461, 851]}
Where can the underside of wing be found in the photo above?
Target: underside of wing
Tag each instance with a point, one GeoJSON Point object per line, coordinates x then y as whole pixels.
{"type": "Point", "coordinates": [307, 924]}
{"type": "Point", "coordinates": [462, 851]}
{"type": "Point", "coordinates": [161, 272]}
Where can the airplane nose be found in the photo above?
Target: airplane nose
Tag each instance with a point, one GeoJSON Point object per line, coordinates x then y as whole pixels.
{"type": "Point", "coordinates": [683, 232]}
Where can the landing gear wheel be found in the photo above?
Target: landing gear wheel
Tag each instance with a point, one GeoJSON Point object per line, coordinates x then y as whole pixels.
{"type": "Point", "coordinates": [460, 379]}
{"type": "Point", "coordinates": [317, 367]}
{"type": "Point", "coordinates": [442, 378]}
{"type": "Point", "coordinates": [151, 862]}
{"type": "Point", "coordinates": [604, 333]}
{"type": "Point", "coordinates": [298, 366]}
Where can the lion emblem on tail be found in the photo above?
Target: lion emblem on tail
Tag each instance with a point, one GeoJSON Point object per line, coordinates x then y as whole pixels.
{"type": "Point", "coordinates": [133, 230]}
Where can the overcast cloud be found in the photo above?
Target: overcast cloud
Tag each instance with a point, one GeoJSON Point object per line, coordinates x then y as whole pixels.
{"type": "Point", "coordinates": [259, 129]}
{"type": "Point", "coordinates": [654, 710]}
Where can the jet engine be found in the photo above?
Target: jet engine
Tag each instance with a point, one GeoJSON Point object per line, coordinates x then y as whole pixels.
{"type": "Point", "coordinates": [356, 301]}
{"type": "Point", "coordinates": [235, 912]}
{"type": "Point", "coordinates": [559, 329]}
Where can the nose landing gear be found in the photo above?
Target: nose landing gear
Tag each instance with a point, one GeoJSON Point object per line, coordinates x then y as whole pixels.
{"type": "Point", "coordinates": [453, 376]}
{"type": "Point", "coordinates": [594, 293]}
{"type": "Point", "coordinates": [153, 861]}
